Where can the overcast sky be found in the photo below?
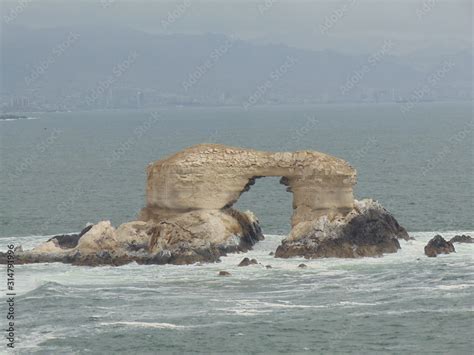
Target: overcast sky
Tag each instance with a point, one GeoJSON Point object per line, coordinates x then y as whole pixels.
{"type": "Point", "coordinates": [343, 25]}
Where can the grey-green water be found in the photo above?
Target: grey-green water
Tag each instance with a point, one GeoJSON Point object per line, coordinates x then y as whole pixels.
{"type": "Point", "coordinates": [60, 171]}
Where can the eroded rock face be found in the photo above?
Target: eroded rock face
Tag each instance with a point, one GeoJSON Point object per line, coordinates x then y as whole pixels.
{"type": "Point", "coordinates": [189, 218]}
{"type": "Point", "coordinates": [212, 177]}
{"type": "Point", "coordinates": [196, 236]}
{"type": "Point", "coordinates": [438, 245]}
{"type": "Point", "coordinates": [368, 230]}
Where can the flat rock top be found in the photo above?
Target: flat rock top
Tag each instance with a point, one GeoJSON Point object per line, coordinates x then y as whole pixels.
{"type": "Point", "coordinates": [218, 155]}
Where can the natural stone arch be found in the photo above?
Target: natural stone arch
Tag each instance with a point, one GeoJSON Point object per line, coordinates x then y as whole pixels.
{"type": "Point", "coordinates": [188, 216]}
{"type": "Point", "coordinates": [212, 177]}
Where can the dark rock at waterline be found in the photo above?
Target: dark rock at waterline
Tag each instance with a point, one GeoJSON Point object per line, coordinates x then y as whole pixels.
{"type": "Point", "coordinates": [147, 242]}
{"type": "Point", "coordinates": [302, 266]}
{"type": "Point", "coordinates": [112, 258]}
{"type": "Point", "coordinates": [368, 230]}
{"type": "Point", "coordinates": [462, 239]}
{"type": "Point", "coordinates": [224, 273]}
{"type": "Point", "coordinates": [121, 257]}
{"type": "Point", "coordinates": [69, 241]}
{"type": "Point", "coordinates": [247, 262]}
{"type": "Point", "coordinates": [438, 245]}
{"type": "Point", "coordinates": [271, 253]}
{"type": "Point", "coordinates": [268, 266]}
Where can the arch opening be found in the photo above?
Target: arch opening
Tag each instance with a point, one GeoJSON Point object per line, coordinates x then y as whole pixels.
{"type": "Point", "coordinates": [265, 191]}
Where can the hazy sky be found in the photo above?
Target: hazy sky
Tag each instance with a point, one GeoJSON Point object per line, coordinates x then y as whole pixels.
{"type": "Point", "coordinates": [344, 25]}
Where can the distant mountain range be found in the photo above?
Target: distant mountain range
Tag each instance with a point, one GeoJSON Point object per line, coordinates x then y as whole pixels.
{"type": "Point", "coordinates": [89, 66]}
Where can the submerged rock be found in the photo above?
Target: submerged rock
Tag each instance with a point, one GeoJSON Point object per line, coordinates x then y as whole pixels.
{"type": "Point", "coordinates": [368, 230]}
{"type": "Point", "coordinates": [247, 262]}
{"type": "Point", "coordinates": [438, 245]}
{"type": "Point", "coordinates": [462, 239]}
{"type": "Point", "coordinates": [224, 273]}
{"type": "Point", "coordinates": [302, 266]}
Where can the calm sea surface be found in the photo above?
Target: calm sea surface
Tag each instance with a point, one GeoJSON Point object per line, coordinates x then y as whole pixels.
{"type": "Point", "coordinates": [62, 170]}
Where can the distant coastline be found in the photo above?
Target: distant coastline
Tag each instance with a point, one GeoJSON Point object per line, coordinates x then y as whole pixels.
{"type": "Point", "coordinates": [14, 117]}
{"type": "Point", "coordinates": [229, 106]}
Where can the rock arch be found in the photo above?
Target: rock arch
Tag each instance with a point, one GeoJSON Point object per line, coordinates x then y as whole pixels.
{"type": "Point", "coordinates": [189, 217]}
{"type": "Point", "coordinates": [213, 176]}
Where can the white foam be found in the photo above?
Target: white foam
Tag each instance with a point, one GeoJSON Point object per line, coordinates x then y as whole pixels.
{"type": "Point", "coordinates": [454, 287]}
{"type": "Point", "coordinates": [147, 325]}
{"type": "Point", "coordinates": [18, 119]}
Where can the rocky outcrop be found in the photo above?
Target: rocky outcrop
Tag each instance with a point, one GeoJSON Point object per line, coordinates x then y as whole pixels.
{"type": "Point", "coordinates": [66, 241]}
{"type": "Point", "coordinates": [196, 236]}
{"type": "Point", "coordinates": [367, 230]}
{"type": "Point", "coordinates": [213, 176]}
{"type": "Point", "coordinates": [189, 218]}
{"type": "Point", "coordinates": [462, 239]}
{"type": "Point", "coordinates": [438, 245]}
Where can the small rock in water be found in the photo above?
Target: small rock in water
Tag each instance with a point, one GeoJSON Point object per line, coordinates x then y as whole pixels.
{"type": "Point", "coordinates": [462, 239]}
{"type": "Point", "coordinates": [247, 262]}
{"type": "Point", "coordinates": [271, 253]}
{"type": "Point", "coordinates": [438, 245]}
{"type": "Point", "coordinates": [224, 273]}
{"type": "Point", "coordinates": [268, 266]}
{"type": "Point", "coordinates": [302, 266]}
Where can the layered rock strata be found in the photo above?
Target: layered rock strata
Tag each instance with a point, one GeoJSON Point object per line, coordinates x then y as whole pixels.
{"type": "Point", "coordinates": [212, 177]}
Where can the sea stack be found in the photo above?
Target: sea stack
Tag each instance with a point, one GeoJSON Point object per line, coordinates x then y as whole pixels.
{"type": "Point", "coordinates": [189, 215]}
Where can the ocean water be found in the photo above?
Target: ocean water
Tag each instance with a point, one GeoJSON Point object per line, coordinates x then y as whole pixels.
{"type": "Point", "coordinates": [62, 170]}
{"type": "Point", "coordinates": [400, 303]}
